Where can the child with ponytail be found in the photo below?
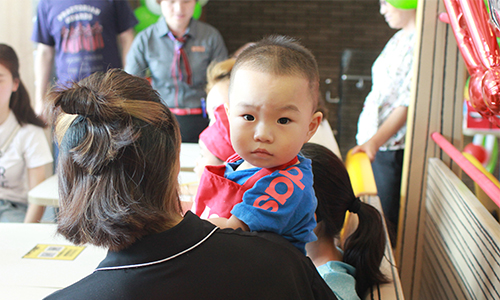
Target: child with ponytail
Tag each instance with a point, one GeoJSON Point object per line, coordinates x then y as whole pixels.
{"type": "Point", "coordinates": [349, 272]}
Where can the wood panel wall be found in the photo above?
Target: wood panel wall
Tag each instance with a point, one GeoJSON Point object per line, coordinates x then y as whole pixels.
{"type": "Point", "coordinates": [437, 106]}
{"type": "Point", "coordinates": [461, 257]}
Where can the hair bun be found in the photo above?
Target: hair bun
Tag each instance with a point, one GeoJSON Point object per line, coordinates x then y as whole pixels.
{"type": "Point", "coordinates": [80, 100]}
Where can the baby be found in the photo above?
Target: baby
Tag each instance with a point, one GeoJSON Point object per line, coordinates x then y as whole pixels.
{"type": "Point", "coordinates": [267, 186]}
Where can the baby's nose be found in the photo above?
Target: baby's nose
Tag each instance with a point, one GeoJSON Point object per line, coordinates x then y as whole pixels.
{"type": "Point", "coordinates": [263, 134]}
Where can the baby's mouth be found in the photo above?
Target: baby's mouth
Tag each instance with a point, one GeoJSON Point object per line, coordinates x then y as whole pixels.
{"type": "Point", "coordinates": [261, 152]}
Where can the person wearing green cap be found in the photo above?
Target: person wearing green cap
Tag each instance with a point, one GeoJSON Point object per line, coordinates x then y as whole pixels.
{"type": "Point", "coordinates": [382, 122]}
{"type": "Point", "coordinates": [403, 4]}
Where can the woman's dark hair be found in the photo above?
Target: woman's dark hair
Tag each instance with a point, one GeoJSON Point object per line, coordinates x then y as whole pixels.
{"type": "Point", "coordinates": [19, 100]}
{"type": "Point", "coordinates": [364, 249]}
{"type": "Point", "coordinates": [118, 160]}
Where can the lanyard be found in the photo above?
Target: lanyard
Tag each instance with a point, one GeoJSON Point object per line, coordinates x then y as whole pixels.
{"type": "Point", "coordinates": [176, 69]}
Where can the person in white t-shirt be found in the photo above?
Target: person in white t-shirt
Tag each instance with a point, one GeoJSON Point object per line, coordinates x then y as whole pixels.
{"type": "Point", "coordinates": [382, 123]}
{"type": "Point", "coordinates": [24, 150]}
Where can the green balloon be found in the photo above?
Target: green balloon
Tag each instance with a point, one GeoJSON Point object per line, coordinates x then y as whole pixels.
{"type": "Point", "coordinates": [145, 18]}
{"type": "Point", "coordinates": [197, 11]}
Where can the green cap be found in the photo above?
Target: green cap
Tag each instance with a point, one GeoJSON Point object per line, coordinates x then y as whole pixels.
{"type": "Point", "coordinates": [403, 4]}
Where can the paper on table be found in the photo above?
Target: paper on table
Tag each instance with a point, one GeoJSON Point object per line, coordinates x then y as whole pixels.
{"type": "Point", "coordinates": [59, 252]}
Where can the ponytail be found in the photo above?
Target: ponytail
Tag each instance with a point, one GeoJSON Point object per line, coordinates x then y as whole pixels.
{"type": "Point", "coordinates": [364, 249]}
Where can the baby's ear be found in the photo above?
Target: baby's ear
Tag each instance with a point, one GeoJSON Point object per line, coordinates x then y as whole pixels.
{"type": "Point", "coordinates": [314, 124]}
{"type": "Point", "coordinates": [226, 106]}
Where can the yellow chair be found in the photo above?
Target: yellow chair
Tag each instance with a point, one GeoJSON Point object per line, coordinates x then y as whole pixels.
{"type": "Point", "coordinates": [359, 167]}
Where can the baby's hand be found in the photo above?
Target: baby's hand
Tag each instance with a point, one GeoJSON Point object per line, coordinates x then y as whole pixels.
{"type": "Point", "coordinates": [232, 222]}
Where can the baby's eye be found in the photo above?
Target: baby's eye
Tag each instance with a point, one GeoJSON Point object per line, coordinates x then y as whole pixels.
{"type": "Point", "coordinates": [248, 117]}
{"type": "Point", "coordinates": [283, 121]}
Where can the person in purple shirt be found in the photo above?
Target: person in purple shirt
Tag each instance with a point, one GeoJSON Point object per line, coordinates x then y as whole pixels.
{"type": "Point", "coordinates": [81, 37]}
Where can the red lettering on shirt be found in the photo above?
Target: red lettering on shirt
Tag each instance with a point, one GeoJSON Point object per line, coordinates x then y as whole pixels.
{"type": "Point", "coordinates": [269, 204]}
{"type": "Point", "coordinates": [295, 178]}
{"type": "Point", "coordinates": [270, 191]}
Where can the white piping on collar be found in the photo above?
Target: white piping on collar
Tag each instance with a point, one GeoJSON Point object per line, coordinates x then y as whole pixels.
{"type": "Point", "coordinates": [161, 260]}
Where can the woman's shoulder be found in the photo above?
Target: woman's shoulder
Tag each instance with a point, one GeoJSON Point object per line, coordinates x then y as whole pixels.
{"type": "Point", "coordinates": [337, 267]}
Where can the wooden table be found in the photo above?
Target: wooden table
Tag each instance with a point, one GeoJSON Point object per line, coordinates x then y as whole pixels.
{"type": "Point", "coordinates": [25, 278]}
{"type": "Point", "coordinates": [46, 193]}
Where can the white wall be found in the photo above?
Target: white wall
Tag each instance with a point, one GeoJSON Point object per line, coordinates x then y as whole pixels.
{"type": "Point", "coordinates": [16, 24]}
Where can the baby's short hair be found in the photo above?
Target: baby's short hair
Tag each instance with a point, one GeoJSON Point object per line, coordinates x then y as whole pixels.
{"type": "Point", "coordinates": [283, 56]}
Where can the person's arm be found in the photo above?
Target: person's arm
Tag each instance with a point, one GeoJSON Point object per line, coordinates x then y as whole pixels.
{"type": "Point", "coordinates": [136, 63]}
{"type": "Point", "coordinates": [44, 60]}
{"type": "Point", "coordinates": [232, 222]}
{"type": "Point", "coordinates": [35, 211]}
{"type": "Point", "coordinates": [126, 38]}
{"type": "Point", "coordinates": [395, 121]}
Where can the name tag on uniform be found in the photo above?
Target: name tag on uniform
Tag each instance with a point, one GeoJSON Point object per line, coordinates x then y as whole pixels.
{"type": "Point", "coordinates": [197, 49]}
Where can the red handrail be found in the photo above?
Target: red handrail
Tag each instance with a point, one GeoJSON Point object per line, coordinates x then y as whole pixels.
{"type": "Point", "coordinates": [474, 173]}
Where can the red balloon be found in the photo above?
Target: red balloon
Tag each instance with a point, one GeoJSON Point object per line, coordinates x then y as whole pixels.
{"type": "Point", "coordinates": [481, 33]}
{"type": "Point", "coordinates": [491, 89]}
{"type": "Point", "coordinates": [477, 151]}
{"type": "Point", "coordinates": [462, 35]}
{"type": "Point", "coordinates": [476, 40]}
{"type": "Point", "coordinates": [476, 94]}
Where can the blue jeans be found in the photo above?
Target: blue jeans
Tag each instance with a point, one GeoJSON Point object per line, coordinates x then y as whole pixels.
{"type": "Point", "coordinates": [12, 212]}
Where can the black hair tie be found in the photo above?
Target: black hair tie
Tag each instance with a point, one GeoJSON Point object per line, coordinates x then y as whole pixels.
{"type": "Point", "coordinates": [355, 205]}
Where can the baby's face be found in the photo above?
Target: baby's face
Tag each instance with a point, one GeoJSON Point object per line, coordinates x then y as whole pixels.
{"type": "Point", "coordinates": [270, 117]}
